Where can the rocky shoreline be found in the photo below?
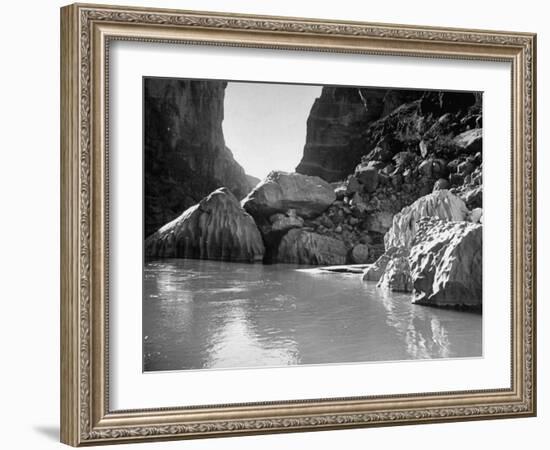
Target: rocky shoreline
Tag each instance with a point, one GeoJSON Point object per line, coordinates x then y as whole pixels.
{"type": "Point", "coordinates": [390, 181]}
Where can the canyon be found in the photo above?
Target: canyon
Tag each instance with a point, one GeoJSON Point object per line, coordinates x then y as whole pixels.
{"type": "Point", "coordinates": [388, 178]}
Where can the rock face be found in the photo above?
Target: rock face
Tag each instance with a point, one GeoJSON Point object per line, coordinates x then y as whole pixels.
{"type": "Point", "coordinates": [376, 270]}
{"type": "Point", "coordinates": [306, 247]}
{"type": "Point", "coordinates": [185, 156]}
{"type": "Point", "coordinates": [216, 228]}
{"type": "Point", "coordinates": [397, 276]}
{"type": "Point", "coordinates": [446, 264]}
{"type": "Point", "coordinates": [281, 191]}
{"type": "Point", "coordinates": [334, 141]}
{"type": "Point", "coordinates": [441, 204]}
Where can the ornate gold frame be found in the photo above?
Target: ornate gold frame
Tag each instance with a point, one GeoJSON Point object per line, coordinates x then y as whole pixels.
{"type": "Point", "coordinates": [86, 31]}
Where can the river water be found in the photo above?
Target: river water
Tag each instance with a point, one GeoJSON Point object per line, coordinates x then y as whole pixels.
{"type": "Point", "coordinates": [207, 314]}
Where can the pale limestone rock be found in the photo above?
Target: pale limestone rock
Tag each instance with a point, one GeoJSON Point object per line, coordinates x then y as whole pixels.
{"type": "Point", "coordinates": [446, 263]}
{"type": "Point", "coordinates": [441, 204]}
{"type": "Point", "coordinates": [375, 271]}
{"type": "Point", "coordinates": [397, 276]}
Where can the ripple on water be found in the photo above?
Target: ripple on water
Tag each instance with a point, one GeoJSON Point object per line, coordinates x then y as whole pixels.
{"type": "Point", "coordinates": [209, 314]}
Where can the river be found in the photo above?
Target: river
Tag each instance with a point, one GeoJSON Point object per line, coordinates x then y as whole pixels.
{"type": "Point", "coordinates": [206, 314]}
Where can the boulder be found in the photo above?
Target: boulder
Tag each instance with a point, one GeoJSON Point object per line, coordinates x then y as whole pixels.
{"type": "Point", "coordinates": [367, 175]}
{"type": "Point", "coordinates": [359, 254]}
{"type": "Point", "coordinates": [381, 154]}
{"type": "Point", "coordinates": [358, 205]}
{"type": "Point", "coordinates": [353, 185]}
{"type": "Point", "coordinates": [446, 263]}
{"type": "Point", "coordinates": [476, 215]}
{"type": "Point", "coordinates": [441, 204]}
{"type": "Point", "coordinates": [470, 141]}
{"type": "Point", "coordinates": [397, 276]}
{"type": "Point", "coordinates": [375, 271]}
{"type": "Point", "coordinates": [473, 197]}
{"type": "Point", "coordinates": [281, 191]}
{"type": "Point", "coordinates": [425, 168]}
{"type": "Point", "coordinates": [301, 246]}
{"type": "Point", "coordinates": [440, 184]}
{"type": "Point", "coordinates": [215, 228]}
{"type": "Point", "coordinates": [340, 192]}
{"type": "Point", "coordinates": [465, 168]}
{"type": "Point", "coordinates": [284, 222]}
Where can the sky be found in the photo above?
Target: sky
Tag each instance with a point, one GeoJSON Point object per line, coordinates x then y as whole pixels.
{"type": "Point", "coordinates": [265, 124]}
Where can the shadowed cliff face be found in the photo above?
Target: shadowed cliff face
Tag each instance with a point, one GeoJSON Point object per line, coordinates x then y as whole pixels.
{"type": "Point", "coordinates": [336, 127]}
{"type": "Point", "coordinates": [185, 156]}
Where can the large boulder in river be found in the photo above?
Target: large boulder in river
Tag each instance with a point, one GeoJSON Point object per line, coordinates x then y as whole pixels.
{"type": "Point", "coordinates": [446, 263]}
{"type": "Point", "coordinates": [309, 196]}
{"type": "Point", "coordinates": [215, 228]}
{"type": "Point", "coordinates": [440, 204]}
{"type": "Point", "coordinates": [301, 246]}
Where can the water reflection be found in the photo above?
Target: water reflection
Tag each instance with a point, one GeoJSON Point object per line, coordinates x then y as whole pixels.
{"type": "Point", "coordinates": [206, 314]}
{"type": "Point", "coordinates": [421, 327]}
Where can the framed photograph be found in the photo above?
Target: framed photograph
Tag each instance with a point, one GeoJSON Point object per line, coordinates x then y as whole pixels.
{"type": "Point", "coordinates": [274, 224]}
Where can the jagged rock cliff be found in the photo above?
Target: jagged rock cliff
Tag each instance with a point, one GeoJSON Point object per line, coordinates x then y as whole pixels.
{"type": "Point", "coordinates": [185, 153]}
{"type": "Point", "coordinates": [335, 138]}
{"type": "Point", "coordinates": [216, 228]}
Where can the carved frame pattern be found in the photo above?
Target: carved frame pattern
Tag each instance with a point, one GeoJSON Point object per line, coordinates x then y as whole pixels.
{"type": "Point", "coordinates": [86, 418]}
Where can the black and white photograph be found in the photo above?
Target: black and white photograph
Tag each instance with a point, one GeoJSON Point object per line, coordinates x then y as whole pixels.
{"type": "Point", "coordinates": [290, 224]}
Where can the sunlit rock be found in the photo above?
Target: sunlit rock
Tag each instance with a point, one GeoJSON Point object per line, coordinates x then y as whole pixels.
{"type": "Point", "coordinates": [446, 263]}
{"type": "Point", "coordinates": [440, 204]}
{"type": "Point", "coordinates": [397, 276]}
{"type": "Point", "coordinates": [375, 271]}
